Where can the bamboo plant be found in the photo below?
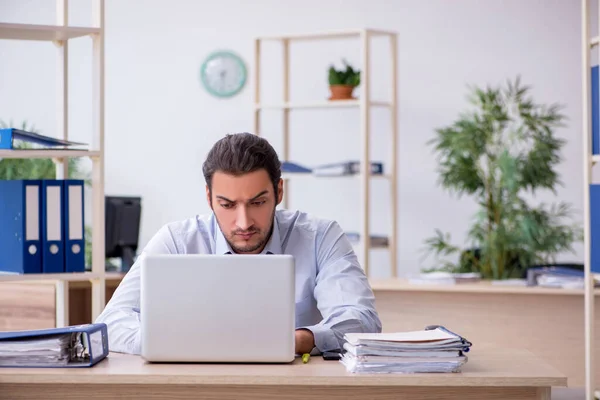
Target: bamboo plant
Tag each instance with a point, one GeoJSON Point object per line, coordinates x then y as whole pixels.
{"type": "Point", "coordinates": [502, 152]}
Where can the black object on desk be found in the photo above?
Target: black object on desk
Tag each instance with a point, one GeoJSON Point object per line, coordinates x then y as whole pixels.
{"type": "Point", "coordinates": [332, 355]}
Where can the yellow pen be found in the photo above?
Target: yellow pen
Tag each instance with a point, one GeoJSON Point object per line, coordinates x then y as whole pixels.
{"type": "Point", "coordinates": [305, 357]}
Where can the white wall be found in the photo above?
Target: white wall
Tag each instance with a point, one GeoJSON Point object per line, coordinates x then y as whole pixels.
{"type": "Point", "coordinates": [160, 122]}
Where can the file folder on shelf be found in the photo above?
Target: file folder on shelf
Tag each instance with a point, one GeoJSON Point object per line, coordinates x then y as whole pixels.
{"type": "Point", "coordinates": [53, 254]}
{"type": "Point", "coordinates": [68, 347]}
{"type": "Point", "coordinates": [292, 167]}
{"type": "Point", "coordinates": [595, 228]}
{"type": "Point", "coordinates": [9, 135]}
{"type": "Point", "coordinates": [595, 113]}
{"type": "Point", "coordinates": [74, 241]}
{"type": "Point", "coordinates": [346, 168]}
{"type": "Point", "coordinates": [20, 227]}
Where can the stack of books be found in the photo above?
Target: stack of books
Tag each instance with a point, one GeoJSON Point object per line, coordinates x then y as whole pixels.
{"type": "Point", "coordinates": [434, 349]}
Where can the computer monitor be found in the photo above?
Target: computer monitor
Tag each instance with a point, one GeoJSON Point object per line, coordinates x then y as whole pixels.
{"type": "Point", "coordinates": [122, 229]}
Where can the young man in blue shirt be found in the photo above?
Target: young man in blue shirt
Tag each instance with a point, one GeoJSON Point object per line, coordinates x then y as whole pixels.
{"type": "Point", "coordinates": [243, 188]}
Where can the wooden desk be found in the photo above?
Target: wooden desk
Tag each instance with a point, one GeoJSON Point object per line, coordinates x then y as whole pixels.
{"type": "Point", "coordinates": [489, 374]}
{"type": "Point", "coordinates": [546, 321]}
{"type": "Point", "coordinates": [485, 313]}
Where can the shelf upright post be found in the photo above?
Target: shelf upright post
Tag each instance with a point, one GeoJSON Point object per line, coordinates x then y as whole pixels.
{"type": "Point", "coordinates": [98, 245]}
{"type": "Point", "coordinates": [365, 164]}
{"type": "Point", "coordinates": [62, 130]}
{"type": "Point", "coordinates": [286, 116]}
{"type": "Point", "coordinates": [393, 238]}
{"type": "Point", "coordinates": [257, 110]}
{"type": "Point", "coordinates": [587, 159]}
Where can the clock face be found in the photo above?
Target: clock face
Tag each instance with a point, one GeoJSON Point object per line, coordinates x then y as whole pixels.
{"type": "Point", "coordinates": [223, 74]}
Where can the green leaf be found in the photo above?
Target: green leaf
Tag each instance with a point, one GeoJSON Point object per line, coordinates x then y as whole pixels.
{"type": "Point", "coordinates": [348, 76]}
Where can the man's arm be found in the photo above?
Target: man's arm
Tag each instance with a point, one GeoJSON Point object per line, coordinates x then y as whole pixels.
{"type": "Point", "coordinates": [343, 294]}
{"type": "Point", "coordinates": [122, 312]}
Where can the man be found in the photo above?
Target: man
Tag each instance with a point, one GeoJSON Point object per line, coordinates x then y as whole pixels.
{"type": "Point", "coordinates": [243, 188]}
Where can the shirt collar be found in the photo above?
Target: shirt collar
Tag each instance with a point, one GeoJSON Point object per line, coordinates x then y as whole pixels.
{"type": "Point", "coordinates": [273, 245]}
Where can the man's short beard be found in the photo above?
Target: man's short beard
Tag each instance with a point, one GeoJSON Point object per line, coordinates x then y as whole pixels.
{"type": "Point", "coordinates": [242, 250]}
{"type": "Point", "coordinates": [247, 249]}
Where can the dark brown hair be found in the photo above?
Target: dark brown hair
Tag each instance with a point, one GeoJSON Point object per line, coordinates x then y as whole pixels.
{"type": "Point", "coordinates": [242, 153]}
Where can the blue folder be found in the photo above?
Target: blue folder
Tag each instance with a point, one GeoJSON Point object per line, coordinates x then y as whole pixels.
{"type": "Point", "coordinates": [9, 135]}
{"type": "Point", "coordinates": [288, 166]}
{"type": "Point", "coordinates": [595, 111]}
{"type": "Point", "coordinates": [595, 227]}
{"type": "Point", "coordinates": [20, 227]}
{"type": "Point", "coordinates": [74, 231]}
{"type": "Point", "coordinates": [53, 244]}
{"type": "Point", "coordinates": [69, 347]}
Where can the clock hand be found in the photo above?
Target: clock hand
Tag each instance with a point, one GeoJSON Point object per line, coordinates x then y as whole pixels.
{"type": "Point", "coordinates": [222, 74]}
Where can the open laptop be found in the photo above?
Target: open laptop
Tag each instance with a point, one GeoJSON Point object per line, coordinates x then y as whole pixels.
{"type": "Point", "coordinates": [218, 308]}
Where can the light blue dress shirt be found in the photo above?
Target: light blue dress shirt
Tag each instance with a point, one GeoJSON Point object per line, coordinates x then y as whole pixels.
{"type": "Point", "coordinates": [333, 295]}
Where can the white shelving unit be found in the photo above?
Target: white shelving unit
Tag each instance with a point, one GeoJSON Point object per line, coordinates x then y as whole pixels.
{"type": "Point", "coordinates": [59, 35]}
{"type": "Point", "coordinates": [363, 105]}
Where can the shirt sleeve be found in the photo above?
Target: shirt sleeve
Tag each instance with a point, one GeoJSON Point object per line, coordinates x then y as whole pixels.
{"type": "Point", "coordinates": [122, 312]}
{"type": "Point", "coordinates": [342, 291]}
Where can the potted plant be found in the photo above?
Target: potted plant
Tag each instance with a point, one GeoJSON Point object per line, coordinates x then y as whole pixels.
{"type": "Point", "coordinates": [502, 153]}
{"type": "Point", "coordinates": [342, 82]}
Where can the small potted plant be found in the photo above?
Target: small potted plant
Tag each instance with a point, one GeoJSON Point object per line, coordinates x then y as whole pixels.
{"type": "Point", "coordinates": [342, 82]}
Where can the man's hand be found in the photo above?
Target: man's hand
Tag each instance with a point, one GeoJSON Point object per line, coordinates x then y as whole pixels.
{"type": "Point", "coordinates": [305, 341]}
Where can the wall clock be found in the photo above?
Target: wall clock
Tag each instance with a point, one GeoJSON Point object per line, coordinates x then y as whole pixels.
{"type": "Point", "coordinates": [223, 74]}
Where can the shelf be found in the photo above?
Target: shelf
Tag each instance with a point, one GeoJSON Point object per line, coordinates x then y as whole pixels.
{"type": "Point", "coordinates": [362, 105]}
{"type": "Point", "coordinates": [301, 175]}
{"type": "Point", "coordinates": [43, 32]}
{"type": "Point", "coordinates": [339, 34]}
{"type": "Point", "coordinates": [323, 104]}
{"type": "Point", "coordinates": [357, 245]}
{"type": "Point", "coordinates": [79, 276]}
{"type": "Point", "coordinates": [595, 158]}
{"type": "Point", "coordinates": [484, 287]}
{"type": "Point", "coordinates": [47, 153]}
{"type": "Point", "coordinates": [595, 41]}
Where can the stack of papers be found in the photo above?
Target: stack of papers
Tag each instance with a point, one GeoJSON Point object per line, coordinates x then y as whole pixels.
{"type": "Point", "coordinates": [72, 346]}
{"type": "Point", "coordinates": [54, 350]}
{"type": "Point", "coordinates": [433, 350]}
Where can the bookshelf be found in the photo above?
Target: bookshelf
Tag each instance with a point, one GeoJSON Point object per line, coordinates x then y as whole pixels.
{"type": "Point", "coordinates": [59, 35]}
{"type": "Point", "coordinates": [363, 105]}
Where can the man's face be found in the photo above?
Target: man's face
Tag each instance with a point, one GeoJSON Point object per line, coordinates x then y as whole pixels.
{"type": "Point", "coordinates": [244, 207]}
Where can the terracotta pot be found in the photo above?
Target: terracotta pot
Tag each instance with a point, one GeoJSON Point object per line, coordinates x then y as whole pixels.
{"type": "Point", "coordinates": [341, 92]}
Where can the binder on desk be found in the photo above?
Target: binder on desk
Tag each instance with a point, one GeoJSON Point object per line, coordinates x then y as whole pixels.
{"type": "Point", "coordinates": [53, 255]}
{"type": "Point", "coordinates": [73, 226]}
{"type": "Point", "coordinates": [20, 227]}
{"type": "Point", "coordinates": [68, 347]}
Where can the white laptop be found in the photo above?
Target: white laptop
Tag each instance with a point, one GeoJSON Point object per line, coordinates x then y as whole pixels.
{"type": "Point", "coordinates": [218, 308]}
